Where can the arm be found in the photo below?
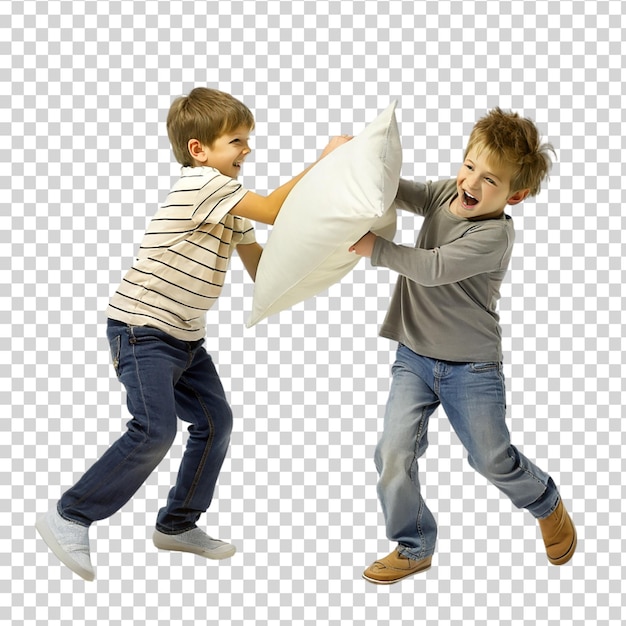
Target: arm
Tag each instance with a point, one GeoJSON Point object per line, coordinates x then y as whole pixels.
{"type": "Point", "coordinates": [474, 254]}
{"type": "Point", "coordinates": [265, 208]}
{"type": "Point", "coordinates": [417, 197]}
{"type": "Point", "coordinates": [250, 255]}
{"type": "Point", "coordinates": [477, 253]}
{"type": "Point", "coordinates": [412, 196]}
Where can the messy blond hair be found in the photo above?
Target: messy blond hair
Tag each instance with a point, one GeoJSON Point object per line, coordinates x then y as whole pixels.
{"type": "Point", "coordinates": [513, 141]}
{"type": "Point", "coordinates": [205, 114]}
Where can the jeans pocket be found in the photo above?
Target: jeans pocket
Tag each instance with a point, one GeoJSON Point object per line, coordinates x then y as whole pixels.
{"type": "Point", "coordinates": [486, 366]}
{"type": "Point", "coordinates": [115, 345]}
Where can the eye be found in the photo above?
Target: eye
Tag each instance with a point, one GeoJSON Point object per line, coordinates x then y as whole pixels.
{"type": "Point", "coordinates": [469, 167]}
{"type": "Point", "coordinates": [491, 181]}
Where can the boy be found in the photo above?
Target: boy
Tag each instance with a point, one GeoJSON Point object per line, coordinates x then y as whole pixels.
{"type": "Point", "coordinates": [156, 327]}
{"type": "Point", "coordinates": [443, 315]}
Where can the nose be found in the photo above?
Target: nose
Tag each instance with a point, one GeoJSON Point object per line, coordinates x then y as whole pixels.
{"type": "Point", "coordinates": [472, 180]}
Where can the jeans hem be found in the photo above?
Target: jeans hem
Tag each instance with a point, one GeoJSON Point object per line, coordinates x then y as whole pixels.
{"type": "Point", "coordinates": [409, 554]}
{"type": "Point", "coordinates": [548, 500]}
{"type": "Point", "coordinates": [552, 510]}
{"type": "Point", "coordinates": [161, 529]}
{"type": "Point", "coordinates": [69, 519]}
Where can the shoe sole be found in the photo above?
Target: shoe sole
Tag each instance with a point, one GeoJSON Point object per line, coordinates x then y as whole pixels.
{"type": "Point", "coordinates": [396, 580]}
{"type": "Point", "coordinates": [48, 536]}
{"type": "Point", "coordinates": [568, 555]}
{"type": "Point", "coordinates": [164, 542]}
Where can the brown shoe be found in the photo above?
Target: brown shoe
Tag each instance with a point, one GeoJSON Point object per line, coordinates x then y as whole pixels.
{"type": "Point", "coordinates": [559, 535]}
{"type": "Point", "coordinates": [394, 567]}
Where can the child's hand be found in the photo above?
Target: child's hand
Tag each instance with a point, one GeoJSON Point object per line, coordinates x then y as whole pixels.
{"type": "Point", "coordinates": [334, 143]}
{"type": "Point", "coordinates": [365, 245]}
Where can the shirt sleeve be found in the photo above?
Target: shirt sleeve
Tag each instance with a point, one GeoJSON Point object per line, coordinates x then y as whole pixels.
{"type": "Point", "coordinates": [478, 251]}
{"type": "Point", "coordinates": [216, 197]}
{"type": "Point", "coordinates": [249, 235]}
{"type": "Point", "coordinates": [417, 197]}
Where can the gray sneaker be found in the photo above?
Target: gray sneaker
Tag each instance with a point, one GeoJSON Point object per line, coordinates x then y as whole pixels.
{"type": "Point", "coordinates": [69, 541]}
{"type": "Point", "coordinates": [196, 541]}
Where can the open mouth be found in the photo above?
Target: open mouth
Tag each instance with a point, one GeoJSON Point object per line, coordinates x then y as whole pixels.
{"type": "Point", "coordinates": [469, 200]}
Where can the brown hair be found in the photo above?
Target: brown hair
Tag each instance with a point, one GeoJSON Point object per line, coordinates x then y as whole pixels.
{"type": "Point", "coordinates": [513, 141]}
{"type": "Point", "coordinates": [205, 114]}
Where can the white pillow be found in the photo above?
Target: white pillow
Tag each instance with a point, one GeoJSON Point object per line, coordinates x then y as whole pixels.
{"type": "Point", "coordinates": [345, 195]}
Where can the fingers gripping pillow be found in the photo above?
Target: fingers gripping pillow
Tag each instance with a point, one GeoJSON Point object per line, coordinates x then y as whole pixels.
{"type": "Point", "coordinates": [345, 195]}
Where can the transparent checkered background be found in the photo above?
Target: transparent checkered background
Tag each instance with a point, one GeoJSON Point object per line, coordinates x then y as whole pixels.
{"type": "Point", "coordinates": [85, 89]}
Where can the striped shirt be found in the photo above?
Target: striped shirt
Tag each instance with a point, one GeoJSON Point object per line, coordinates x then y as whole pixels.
{"type": "Point", "coordinates": [182, 261]}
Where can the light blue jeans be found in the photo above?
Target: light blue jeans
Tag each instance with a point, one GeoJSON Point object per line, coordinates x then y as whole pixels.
{"type": "Point", "coordinates": [473, 397]}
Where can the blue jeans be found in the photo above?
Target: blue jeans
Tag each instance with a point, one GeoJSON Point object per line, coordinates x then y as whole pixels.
{"type": "Point", "coordinates": [164, 378]}
{"type": "Point", "coordinates": [473, 397]}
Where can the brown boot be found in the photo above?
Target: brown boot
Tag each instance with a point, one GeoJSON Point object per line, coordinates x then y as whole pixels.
{"type": "Point", "coordinates": [559, 535]}
{"type": "Point", "coordinates": [394, 567]}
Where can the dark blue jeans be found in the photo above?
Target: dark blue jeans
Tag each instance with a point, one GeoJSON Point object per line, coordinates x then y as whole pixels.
{"type": "Point", "coordinates": [165, 378]}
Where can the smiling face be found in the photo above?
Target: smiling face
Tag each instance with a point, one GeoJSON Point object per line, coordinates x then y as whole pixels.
{"type": "Point", "coordinates": [483, 188]}
{"type": "Point", "coordinates": [226, 154]}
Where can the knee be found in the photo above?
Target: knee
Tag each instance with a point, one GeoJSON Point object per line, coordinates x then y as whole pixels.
{"type": "Point", "coordinates": [394, 457]}
{"type": "Point", "coordinates": [492, 464]}
{"type": "Point", "coordinates": [223, 428]}
{"type": "Point", "coordinates": [217, 427]}
{"type": "Point", "coordinates": [158, 441]}
{"type": "Point", "coordinates": [226, 421]}
{"type": "Point", "coordinates": [383, 455]}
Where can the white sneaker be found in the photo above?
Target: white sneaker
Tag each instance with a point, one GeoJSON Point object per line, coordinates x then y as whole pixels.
{"type": "Point", "coordinates": [69, 541]}
{"type": "Point", "coordinates": [196, 541]}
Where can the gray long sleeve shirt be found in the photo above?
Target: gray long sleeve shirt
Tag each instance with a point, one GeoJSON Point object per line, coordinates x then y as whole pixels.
{"type": "Point", "coordinates": [444, 303]}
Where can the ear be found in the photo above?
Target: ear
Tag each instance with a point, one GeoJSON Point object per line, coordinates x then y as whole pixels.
{"type": "Point", "coordinates": [518, 196]}
{"type": "Point", "coordinates": [197, 151]}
